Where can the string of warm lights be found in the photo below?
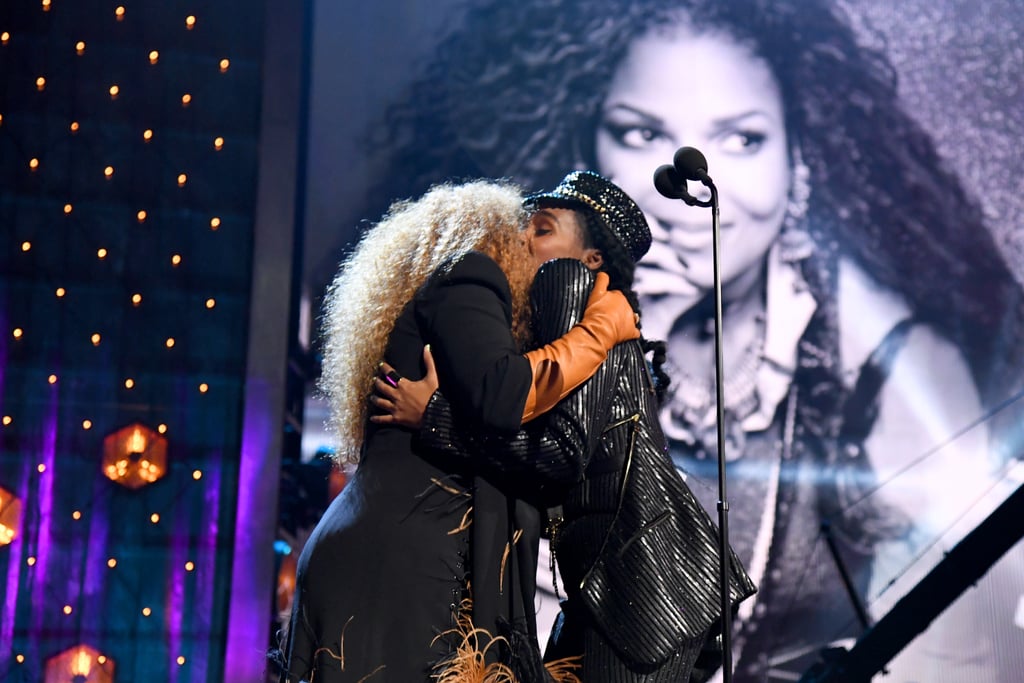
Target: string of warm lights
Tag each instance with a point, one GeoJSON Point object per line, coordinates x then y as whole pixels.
{"type": "Point", "coordinates": [102, 252]}
{"type": "Point", "coordinates": [110, 252]}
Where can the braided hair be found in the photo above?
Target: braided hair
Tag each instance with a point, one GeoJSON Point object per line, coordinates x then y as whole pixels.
{"type": "Point", "coordinates": [620, 269]}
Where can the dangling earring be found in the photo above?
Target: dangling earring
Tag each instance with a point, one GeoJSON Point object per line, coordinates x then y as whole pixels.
{"type": "Point", "coordinates": [795, 242]}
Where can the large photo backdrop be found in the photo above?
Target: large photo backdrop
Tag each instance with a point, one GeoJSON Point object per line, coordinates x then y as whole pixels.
{"type": "Point", "coordinates": [867, 159]}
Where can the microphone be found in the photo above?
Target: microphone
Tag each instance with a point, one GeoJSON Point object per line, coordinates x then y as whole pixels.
{"type": "Point", "coordinates": [669, 183]}
{"type": "Point", "coordinates": [689, 163]}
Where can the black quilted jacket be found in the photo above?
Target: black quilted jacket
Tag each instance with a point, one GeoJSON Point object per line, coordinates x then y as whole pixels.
{"type": "Point", "coordinates": [636, 550]}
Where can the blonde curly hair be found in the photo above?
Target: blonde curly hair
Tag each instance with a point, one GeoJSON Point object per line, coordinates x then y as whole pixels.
{"type": "Point", "coordinates": [391, 262]}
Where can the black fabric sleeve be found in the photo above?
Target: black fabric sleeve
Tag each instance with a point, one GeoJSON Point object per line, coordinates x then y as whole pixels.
{"type": "Point", "coordinates": [549, 453]}
{"type": "Point", "coordinates": [465, 314]}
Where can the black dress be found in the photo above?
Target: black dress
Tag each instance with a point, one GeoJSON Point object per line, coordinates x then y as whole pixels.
{"type": "Point", "coordinates": [388, 565]}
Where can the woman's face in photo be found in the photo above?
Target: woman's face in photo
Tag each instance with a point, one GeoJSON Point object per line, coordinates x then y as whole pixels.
{"type": "Point", "coordinates": [676, 89]}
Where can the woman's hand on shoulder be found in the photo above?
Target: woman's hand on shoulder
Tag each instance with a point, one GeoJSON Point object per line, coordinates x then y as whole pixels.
{"type": "Point", "coordinates": [401, 401]}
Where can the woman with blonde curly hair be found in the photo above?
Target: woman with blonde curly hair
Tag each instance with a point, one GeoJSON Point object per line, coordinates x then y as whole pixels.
{"type": "Point", "coordinates": [415, 548]}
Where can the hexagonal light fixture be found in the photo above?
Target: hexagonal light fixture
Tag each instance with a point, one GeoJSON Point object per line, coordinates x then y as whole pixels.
{"type": "Point", "coordinates": [79, 664]}
{"type": "Point", "coordinates": [134, 456]}
{"type": "Point", "coordinates": [10, 516]}
{"type": "Point", "coordinates": [286, 583]}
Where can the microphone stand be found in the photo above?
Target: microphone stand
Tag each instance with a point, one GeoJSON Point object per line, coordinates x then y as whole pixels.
{"type": "Point", "coordinates": [723, 502]}
{"type": "Point", "coordinates": [670, 181]}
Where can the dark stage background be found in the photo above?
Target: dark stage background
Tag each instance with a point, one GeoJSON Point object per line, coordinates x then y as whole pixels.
{"type": "Point", "coordinates": [147, 181]}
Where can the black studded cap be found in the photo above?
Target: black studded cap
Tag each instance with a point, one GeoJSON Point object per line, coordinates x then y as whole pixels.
{"type": "Point", "coordinates": [616, 210]}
